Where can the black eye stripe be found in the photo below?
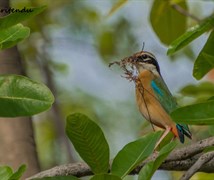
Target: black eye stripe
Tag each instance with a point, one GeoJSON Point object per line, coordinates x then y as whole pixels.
{"type": "Point", "coordinates": [143, 59]}
{"type": "Point", "coordinates": [149, 60]}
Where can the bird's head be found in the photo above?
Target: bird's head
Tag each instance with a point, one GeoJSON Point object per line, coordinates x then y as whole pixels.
{"type": "Point", "coordinates": [144, 60]}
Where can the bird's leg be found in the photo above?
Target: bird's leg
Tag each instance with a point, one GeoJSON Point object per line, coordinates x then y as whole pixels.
{"type": "Point", "coordinates": [168, 129]}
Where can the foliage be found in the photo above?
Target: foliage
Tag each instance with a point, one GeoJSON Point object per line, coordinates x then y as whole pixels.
{"type": "Point", "coordinates": [90, 143]}
{"type": "Point", "coordinates": [6, 173]}
{"type": "Point", "coordinates": [20, 96]}
{"type": "Point", "coordinates": [92, 147]}
{"type": "Point", "coordinates": [198, 114]}
{"type": "Point", "coordinates": [162, 17]}
{"type": "Point", "coordinates": [105, 177]}
{"type": "Point", "coordinates": [149, 169]}
{"type": "Point", "coordinates": [11, 36]}
{"type": "Point", "coordinates": [11, 31]}
{"type": "Point", "coordinates": [200, 92]}
{"type": "Point", "coordinates": [133, 154]}
{"type": "Point", "coordinates": [191, 34]}
{"type": "Point", "coordinates": [205, 60]}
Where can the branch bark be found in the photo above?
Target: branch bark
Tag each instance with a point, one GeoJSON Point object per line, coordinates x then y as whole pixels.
{"type": "Point", "coordinates": [179, 160]}
{"type": "Point", "coordinates": [204, 158]}
{"type": "Point", "coordinates": [16, 134]}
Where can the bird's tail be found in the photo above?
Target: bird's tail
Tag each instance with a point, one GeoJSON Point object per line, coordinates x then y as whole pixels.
{"type": "Point", "coordinates": [182, 130]}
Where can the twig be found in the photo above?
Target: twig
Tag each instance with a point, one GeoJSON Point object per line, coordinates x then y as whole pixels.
{"type": "Point", "coordinates": [201, 161]}
{"type": "Point", "coordinates": [184, 165]}
{"type": "Point", "coordinates": [191, 150]}
{"type": "Point", "coordinates": [184, 12]}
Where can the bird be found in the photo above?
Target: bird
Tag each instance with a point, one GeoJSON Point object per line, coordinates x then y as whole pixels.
{"type": "Point", "coordinates": [154, 100]}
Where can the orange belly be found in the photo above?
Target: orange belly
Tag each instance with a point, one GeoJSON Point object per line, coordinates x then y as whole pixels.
{"type": "Point", "coordinates": [148, 104]}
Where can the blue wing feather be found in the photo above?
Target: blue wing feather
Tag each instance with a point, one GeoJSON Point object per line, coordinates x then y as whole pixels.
{"type": "Point", "coordinates": [156, 88]}
{"type": "Point", "coordinates": [163, 94]}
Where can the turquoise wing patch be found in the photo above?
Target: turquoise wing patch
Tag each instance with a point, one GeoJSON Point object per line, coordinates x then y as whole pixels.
{"type": "Point", "coordinates": [156, 88]}
{"type": "Point", "coordinates": [163, 94]}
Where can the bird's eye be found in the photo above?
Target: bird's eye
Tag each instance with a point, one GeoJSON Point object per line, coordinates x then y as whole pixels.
{"type": "Point", "coordinates": [144, 56]}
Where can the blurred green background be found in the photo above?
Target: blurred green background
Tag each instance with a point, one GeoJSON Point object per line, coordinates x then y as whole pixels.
{"type": "Point", "coordinates": [69, 49]}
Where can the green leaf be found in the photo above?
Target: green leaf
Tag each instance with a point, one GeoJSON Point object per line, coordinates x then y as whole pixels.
{"type": "Point", "coordinates": [89, 141]}
{"type": "Point", "coordinates": [58, 178]}
{"type": "Point", "coordinates": [193, 33]}
{"type": "Point", "coordinates": [205, 60]}
{"type": "Point", "coordinates": [5, 172]}
{"type": "Point", "coordinates": [17, 175]}
{"type": "Point", "coordinates": [168, 23]}
{"type": "Point", "coordinates": [17, 17]}
{"type": "Point", "coordinates": [133, 154]}
{"type": "Point", "coordinates": [198, 114]}
{"type": "Point", "coordinates": [198, 92]}
{"type": "Point", "coordinates": [20, 96]}
{"type": "Point", "coordinates": [149, 169]}
{"type": "Point", "coordinates": [11, 36]}
{"type": "Point", "coordinates": [105, 177]}
{"type": "Point", "coordinates": [193, 90]}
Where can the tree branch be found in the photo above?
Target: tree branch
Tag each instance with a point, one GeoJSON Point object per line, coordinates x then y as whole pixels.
{"type": "Point", "coordinates": [179, 160]}
{"type": "Point", "coordinates": [79, 169]}
{"type": "Point", "coordinates": [191, 150]}
{"type": "Point", "coordinates": [204, 158]}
